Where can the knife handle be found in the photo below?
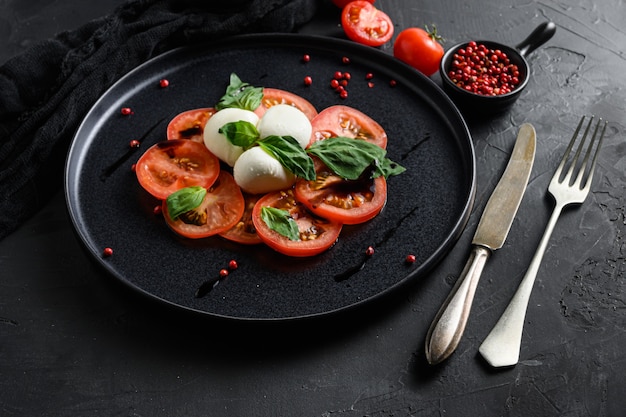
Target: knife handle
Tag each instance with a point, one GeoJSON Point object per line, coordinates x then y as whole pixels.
{"type": "Point", "coordinates": [447, 328]}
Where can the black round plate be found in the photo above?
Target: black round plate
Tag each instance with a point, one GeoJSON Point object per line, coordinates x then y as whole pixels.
{"type": "Point", "coordinates": [427, 208]}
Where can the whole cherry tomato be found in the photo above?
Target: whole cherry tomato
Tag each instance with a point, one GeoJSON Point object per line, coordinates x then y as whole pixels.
{"type": "Point", "coordinates": [419, 48]}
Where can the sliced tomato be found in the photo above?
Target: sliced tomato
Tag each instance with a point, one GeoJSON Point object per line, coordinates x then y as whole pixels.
{"type": "Point", "coordinates": [243, 231]}
{"type": "Point", "coordinates": [190, 124]}
{"type": "Point", "coordinates": [316, 234]}
{"type": "Point", "coordinates": [220, 210]}
{"type": "Point", "coordinates": [349, 122]}
{"type": "Point", "coordinates": [364, 23]}
{"type": "Point", "coordinates": [345, 201]}
{"type": "Point", "coordinates": [174, 164]}
{"type": "Point", "coordinates": [273, 96]}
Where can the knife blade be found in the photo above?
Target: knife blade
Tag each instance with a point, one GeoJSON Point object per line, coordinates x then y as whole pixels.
{"type": "Point", "coordinates": [448, 325]}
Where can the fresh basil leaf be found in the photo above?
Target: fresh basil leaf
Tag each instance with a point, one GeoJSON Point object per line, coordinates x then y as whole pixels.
{"type": "Point", "coordinates": [349, 158]}
{"type": "Point", "coordinates": [240, 95]}
{"type": "Point", "coordinates": [235, 84]}
{"type": "Point", "coordinates": [390, 168]}
{"type": "Point", "coordinates": [240, 133]}
{"type": "Point", "coordinates": [281, 222]}
{"type": "Point", "coordinates": [290, 154]}
{"type": "Point", "coordinates": [183, 200]}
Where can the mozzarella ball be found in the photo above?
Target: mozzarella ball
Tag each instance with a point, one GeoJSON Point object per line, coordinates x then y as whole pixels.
{"type": "Point", "coordinates": [218, 143]}
{"type": "Point", "coordinates": [258, 172]}
{"type": "Point", "coordinates": [286, 120]}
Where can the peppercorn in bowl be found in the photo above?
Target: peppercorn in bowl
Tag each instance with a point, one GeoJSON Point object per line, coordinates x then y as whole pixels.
{"type": "Point", "coordinates": [485, 77]}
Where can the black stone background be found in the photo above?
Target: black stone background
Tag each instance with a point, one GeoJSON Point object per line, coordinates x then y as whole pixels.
{"type": "Point", "coordinates": [72, 343]}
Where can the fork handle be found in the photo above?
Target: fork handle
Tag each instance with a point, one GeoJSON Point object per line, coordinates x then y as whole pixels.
{"type": "Point", "coordinates": [501, 347]}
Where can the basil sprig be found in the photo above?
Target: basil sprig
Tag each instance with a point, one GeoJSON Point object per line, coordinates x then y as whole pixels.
{"type": "Point", "coordinates": [285, 149]}
{"type": "Point", "coordinates": [240, 95]}
{"type": "Point", "coordinates": [281, 222]}
{"type": "Point", "coordinates": [349, 158]}
{"type": "Point", "coordinates": [183, 200]}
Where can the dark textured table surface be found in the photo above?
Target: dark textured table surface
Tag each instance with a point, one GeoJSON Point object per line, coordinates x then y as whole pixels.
{"type": "Point", "coordinates": [72, 343]}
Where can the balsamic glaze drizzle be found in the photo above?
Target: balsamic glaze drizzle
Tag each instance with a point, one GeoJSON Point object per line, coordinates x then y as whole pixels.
{"type": "Point", "coordinates": [131, 150]}
{"type": "Point", "coordinates": [353, 270]}
{"type": "Point", "coordinates": [348, 273]}
{"type": "Point", "coordinates": [207, 286]}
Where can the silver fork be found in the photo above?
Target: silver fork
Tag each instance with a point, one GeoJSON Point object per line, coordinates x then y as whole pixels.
{"type": "Point", "coordinates": [570, 185]}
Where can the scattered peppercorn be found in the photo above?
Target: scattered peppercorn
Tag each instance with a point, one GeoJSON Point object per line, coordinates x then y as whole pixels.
{"type": "Point", "coordinates": [223, 272]}
{"type": "Point", "coordinates": [340, 82]}
{"type": "Point", "coordinates": [410, 259]}
{"type": "Point", "coordinates": [345, 60]}
{"type": "Point", "coordinates": [306, 58]}
{"type": "Point", "coordinates": [164, 83]}
{"type": "Point", "coordinates": [308, 80]}
{"type": "Point", "coordinates": [369, 251]}
{"type": "Point", "coordinates": [232, 265]}
{"type": "Point", "coordinates": [107, 252]}
{"type": "Point", "coordinates": [134, 143]}
{"type": "Point", "coordinates": [126, 111]}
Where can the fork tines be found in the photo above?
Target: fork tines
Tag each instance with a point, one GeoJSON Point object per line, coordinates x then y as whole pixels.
{"type": "Point", "coordinates": [585, 171]}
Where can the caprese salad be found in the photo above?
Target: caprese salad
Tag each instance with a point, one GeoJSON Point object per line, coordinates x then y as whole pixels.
{"type": "Point", "coordinates": [263, 166]}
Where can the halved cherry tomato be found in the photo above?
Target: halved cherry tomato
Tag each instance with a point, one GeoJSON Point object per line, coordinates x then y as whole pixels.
{"type": "Point", "coordinates": [273, 96]}
{"type": "Point", "coordinates": [316, 234]}
{"type": "Point", "coordinates": [349, 122]}
{"type": "Point", "coordinates": [345, 201]}
{"type": "Point", "coordinates": [365, 24]}
{"type": "Point", "coordinates": [174, 164]}
{"type": "Point", "coordinates": [244, 232]}
{"type": "Point", "coordinates": [220, 210]}
{"type": "Point", "coordinates": [189, 124]}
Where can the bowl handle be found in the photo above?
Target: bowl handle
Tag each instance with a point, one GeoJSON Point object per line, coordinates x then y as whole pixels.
{"type": "Point", "coordinates": [538, 37]}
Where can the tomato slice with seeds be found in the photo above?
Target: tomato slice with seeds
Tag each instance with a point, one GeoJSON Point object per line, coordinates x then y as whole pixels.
{"type": "Point", "coordinates": [316, 234]}
{"type": "Point", "coordinates": [349, 122]}
{"type": "Point", "coordinates": [174, 164]}
{"type": "Point", "coordinates": [220, 210]}
{"type": "Point", "coordinates": [190, 124]}
{"type": "Point", "coordinates": [273, 96]}
{"type": "Point", "coordinates": [364, 23]}
{"type": "Point", "coordinates": [344, 201]}
{"type": "Point", "coordinates": [243, 231]}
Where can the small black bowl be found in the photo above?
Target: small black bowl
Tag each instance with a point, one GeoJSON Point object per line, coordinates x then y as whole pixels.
{"type": "Point", "coordinates": [472, 103]}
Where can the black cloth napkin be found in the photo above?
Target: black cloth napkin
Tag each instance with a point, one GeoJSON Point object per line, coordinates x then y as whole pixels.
{"type": "Point", "coordinates": [46, 91]}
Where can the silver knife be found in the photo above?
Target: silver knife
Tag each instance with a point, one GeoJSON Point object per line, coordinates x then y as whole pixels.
{"type": "Point", "coordinates": [447, 328]}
